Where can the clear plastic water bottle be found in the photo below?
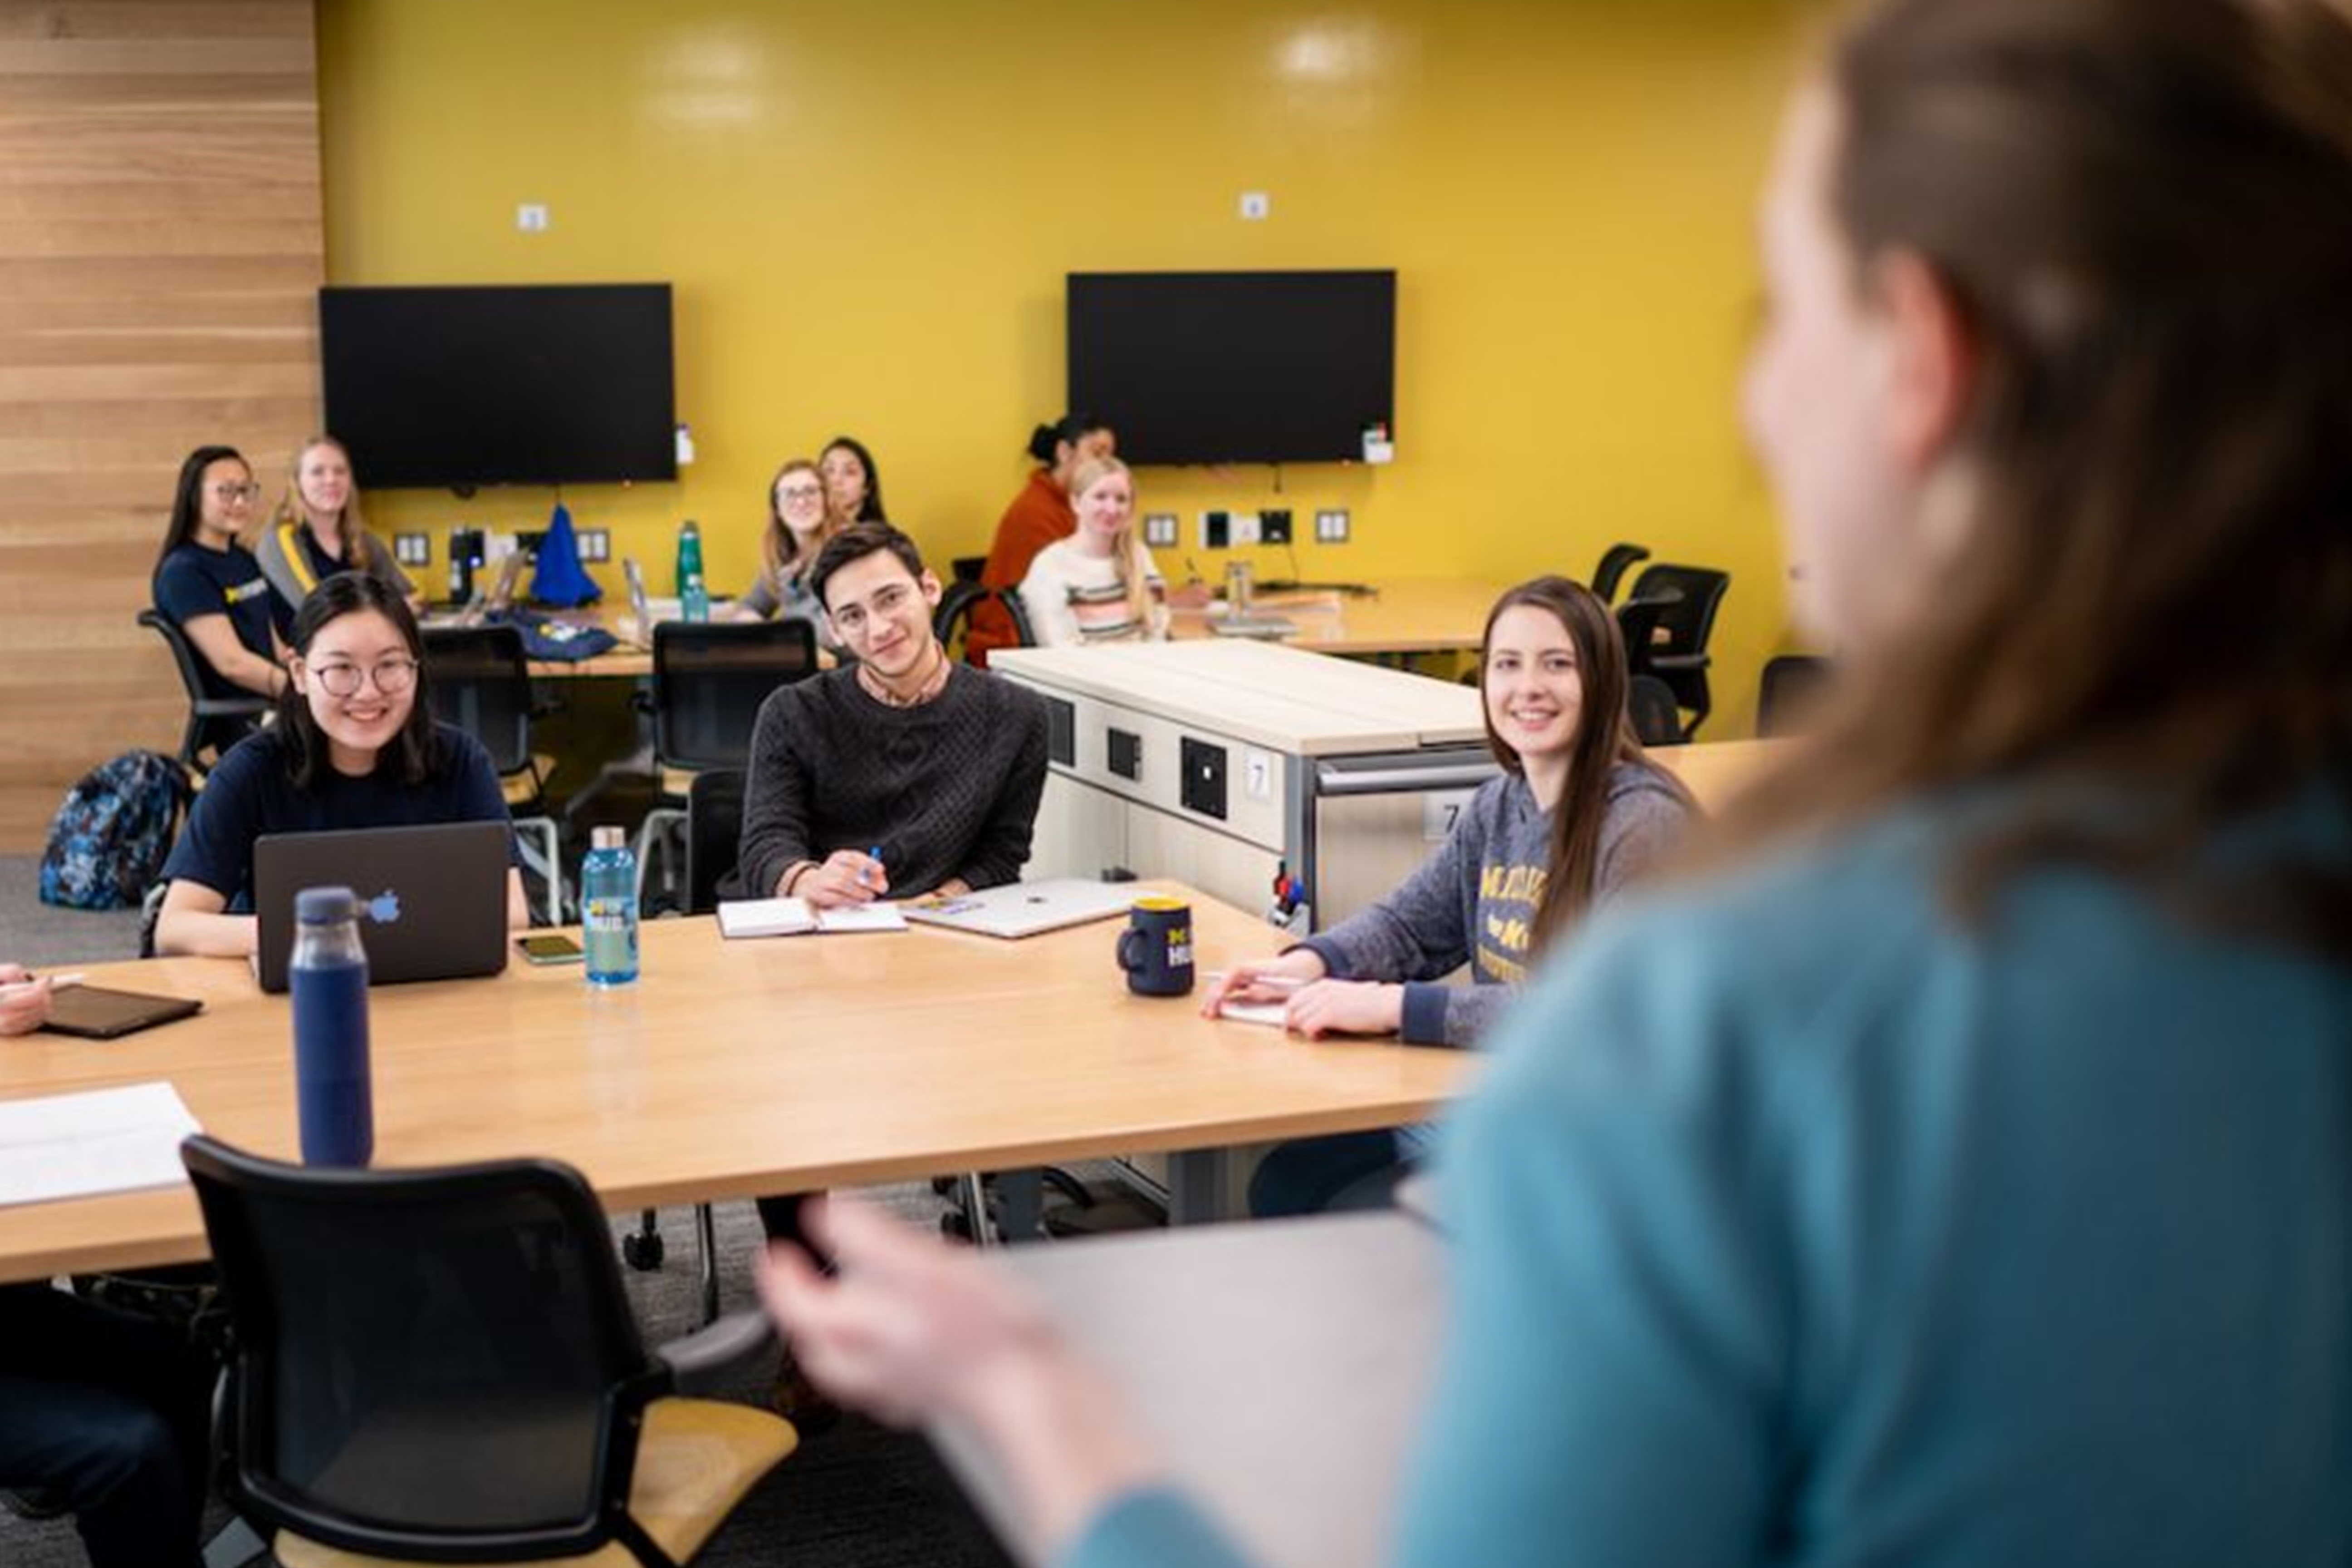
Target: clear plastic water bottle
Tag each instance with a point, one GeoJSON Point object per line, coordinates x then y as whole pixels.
{"type": "Point", "coordinates": [693, 597]}
{"type": "Point", "coordinates": [334, 1094]}
{"type": "Point", "coordinates": [608, 908]}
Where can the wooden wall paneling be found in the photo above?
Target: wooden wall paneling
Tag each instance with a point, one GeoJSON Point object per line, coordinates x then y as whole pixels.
{"type": "Point", "coordinates": [162, 243]}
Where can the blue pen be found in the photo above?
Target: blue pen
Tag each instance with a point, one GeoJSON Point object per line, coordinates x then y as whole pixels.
{"type": "Point", "coordinates": [873, 854]}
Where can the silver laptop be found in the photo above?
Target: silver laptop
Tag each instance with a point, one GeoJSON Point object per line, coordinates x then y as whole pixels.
{"type": "Point", "coordinates": [1025, 908]}
{"type": "Point", "coordinates": [432, 900]}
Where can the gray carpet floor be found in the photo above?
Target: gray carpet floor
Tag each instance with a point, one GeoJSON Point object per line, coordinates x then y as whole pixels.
{"type": "Point", "coordinates": [858, 1495]}
{"type": "Point", "coordinates": [39, 936]}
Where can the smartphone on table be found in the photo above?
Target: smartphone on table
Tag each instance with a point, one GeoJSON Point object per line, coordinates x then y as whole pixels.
{"type": "Point", "coordinates": [549, 948]}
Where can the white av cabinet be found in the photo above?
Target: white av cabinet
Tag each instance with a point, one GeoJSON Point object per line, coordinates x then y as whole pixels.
{"type": "Point", "coordinates": [1226, 764]}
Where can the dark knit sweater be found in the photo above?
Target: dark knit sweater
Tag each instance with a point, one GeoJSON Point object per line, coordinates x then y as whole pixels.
{"type": "Point", "coordinates": [947, 789]}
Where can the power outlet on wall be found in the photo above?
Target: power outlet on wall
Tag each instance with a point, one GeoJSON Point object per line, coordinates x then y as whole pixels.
{"type": "Point", "coordinates": [1244, 527]}
{"type": "Point", "coordinates": [596, 544]}
{"type": "Point", "coordinates": [1274, 525]}
{"type": "Point", "coordinates": [1216, 530]}
{"type": "Point", "coordinates": [1160, 530]}
{"type": "Point", "coordinates": [412, 549]}
{"type": "Point", "coordinates": [1331, 527]}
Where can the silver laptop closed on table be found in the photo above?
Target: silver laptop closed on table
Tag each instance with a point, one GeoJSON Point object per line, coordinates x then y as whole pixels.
{"type": "Point", "coordinates": [433, 899]}
{"type": "Point", "coordinates": [1025, 908]}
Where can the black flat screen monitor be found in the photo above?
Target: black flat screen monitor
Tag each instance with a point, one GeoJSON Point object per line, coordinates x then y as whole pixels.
{"type": "Point", "coordinates": [534, 385]}
{"type": "Point", "coordinates": [1234, 367]}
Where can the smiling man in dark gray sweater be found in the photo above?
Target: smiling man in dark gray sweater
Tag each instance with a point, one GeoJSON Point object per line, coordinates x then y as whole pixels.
{"type": "Point", "coordinates": [937, 765]}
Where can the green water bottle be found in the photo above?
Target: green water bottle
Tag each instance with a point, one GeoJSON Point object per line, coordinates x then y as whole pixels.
{"type": "Point", "coordinates": [693, 598]}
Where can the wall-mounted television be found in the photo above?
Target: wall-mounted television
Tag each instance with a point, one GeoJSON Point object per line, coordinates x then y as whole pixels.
{"type": "Point", "coordinates": [1234, 367]}
{"type": "Point", "coordinates": [463, 387]}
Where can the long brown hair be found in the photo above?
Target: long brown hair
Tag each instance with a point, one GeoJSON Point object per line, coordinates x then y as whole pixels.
{"type": "Point", "coordinates": [1604, 738]}
{"type": "Point", "coordinates": [2144, 211]}
{"type": "Point", "coordinates": [350, 524]}
{"type": "Point", "coordinates": [1089, 472]}
{"type": "Point", "coordinates": [779, 545]}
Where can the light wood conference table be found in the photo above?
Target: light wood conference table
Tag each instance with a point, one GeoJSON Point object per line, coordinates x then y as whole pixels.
{"type": "Point", "coordinates": [1403, 615]}
{"type": "Point", "coordinates": [733, 1069]}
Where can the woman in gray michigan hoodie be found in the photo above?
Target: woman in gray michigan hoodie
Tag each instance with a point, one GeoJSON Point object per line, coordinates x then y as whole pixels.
{"type": "Point", "coordinates": [1578, 814]}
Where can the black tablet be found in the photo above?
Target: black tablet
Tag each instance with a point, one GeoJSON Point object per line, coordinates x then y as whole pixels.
{"type": "Point", "coordinates": [96, 1013]}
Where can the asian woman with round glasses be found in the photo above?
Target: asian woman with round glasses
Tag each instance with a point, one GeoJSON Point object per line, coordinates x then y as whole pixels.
{"type": "Point", "coordinates": [355, 745]}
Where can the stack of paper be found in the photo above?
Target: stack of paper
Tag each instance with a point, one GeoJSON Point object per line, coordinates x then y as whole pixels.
{"type": "Point", "coordinates": [101, 1141]}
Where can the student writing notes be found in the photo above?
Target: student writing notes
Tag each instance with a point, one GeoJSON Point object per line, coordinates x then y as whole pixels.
{"type": "Point", "coordinates": [356, 746]}
{"type": "Point", "coordinates": [211, 588]}
{"type": "Point", "coordinates": [1579, 815]}
{"type": "Point", "coordinates": [1099, 585]}
{"type": "Point", "coordinates": [1961, 1172]}
{"type": "Point", "coordinates": [940, 765]}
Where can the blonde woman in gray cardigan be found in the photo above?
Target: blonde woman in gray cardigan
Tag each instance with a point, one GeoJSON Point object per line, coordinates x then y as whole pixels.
{"type": "Point", "coordinates": [1579, 814]}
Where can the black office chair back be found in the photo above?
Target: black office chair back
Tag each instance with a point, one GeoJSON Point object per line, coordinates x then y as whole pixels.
{"type": "Point", "coordinates": [714, 835]}
{"type": "Point", "coordinates": [1611, 570]}
{"type": "Point", "coordinates": [1650, 701]}
{"type": "Point", "coordinates": [951, 622]}
{"type": "Point", "coordinates": [215, 723]}
{"type": "Point", "coordinates": [710, 680]}
{"type": "Point", "coordinates": [480, 680]}
{"type": "Point", "coordinates": [1792, 684]}
{"type": "Point", "coordinates": [1692, 596]}
{"type": "Point", "coordinates": [967, 568]}
{"type": "Point", "coordinates": [430, 1363]}
{"type": "Point", "coordinates": [1637, 622]}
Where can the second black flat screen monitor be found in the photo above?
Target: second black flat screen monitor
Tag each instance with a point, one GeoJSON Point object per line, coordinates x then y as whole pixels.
{"type": "Point", "coordinates": [485, 385]}
{"type": "Point", "coordinates": [1234, 367]}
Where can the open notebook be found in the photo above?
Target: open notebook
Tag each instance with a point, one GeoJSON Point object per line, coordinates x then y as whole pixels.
{"type": "Point", "coordinates": [796, 917]}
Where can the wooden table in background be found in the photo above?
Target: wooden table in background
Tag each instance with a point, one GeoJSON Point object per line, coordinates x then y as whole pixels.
{"type": "Point", "coordinates": [737, 1069]}
{"type": "Point", "coordinates": [1404, 615]}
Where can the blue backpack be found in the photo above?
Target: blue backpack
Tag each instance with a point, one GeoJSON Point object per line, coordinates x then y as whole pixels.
{"type": "Point", "coordinates": [108, 841]}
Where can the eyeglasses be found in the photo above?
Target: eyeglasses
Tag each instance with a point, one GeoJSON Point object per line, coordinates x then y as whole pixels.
{"type": "Point", "coordinates": [850, 619]}
{"type": "Point", "coordinates": [392, 678]}
{"type": "Point", "coordinates": [801, 492]}
{"type": "Point", "coordinates": [234, 493]}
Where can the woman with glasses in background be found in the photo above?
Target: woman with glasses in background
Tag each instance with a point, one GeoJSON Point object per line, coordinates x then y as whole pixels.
{"type": "Point", "coordinates": [211, 588]}
{"type": "Point", "coordinates": [799, 523]}
{"type": "Point", "coordinates": [355, 745]}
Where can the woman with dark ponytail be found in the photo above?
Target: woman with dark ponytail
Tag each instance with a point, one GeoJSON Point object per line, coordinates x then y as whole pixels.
{"type": "Point", "coordinates": [1039, 516]}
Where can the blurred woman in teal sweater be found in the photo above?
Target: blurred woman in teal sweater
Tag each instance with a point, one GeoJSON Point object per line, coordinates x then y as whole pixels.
{"type": "Point", "coordinates": [1959, 1172]}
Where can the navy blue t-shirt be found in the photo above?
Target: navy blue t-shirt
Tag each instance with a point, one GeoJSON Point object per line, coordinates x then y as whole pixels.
{"type": "Point", "coordinates": [250, 793]}
{"type": "Point", "coordinates": [192, 582]}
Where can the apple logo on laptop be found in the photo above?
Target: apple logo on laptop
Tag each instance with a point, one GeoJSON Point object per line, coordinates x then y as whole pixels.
{"type": "Point", "coordinates": [385, 907]}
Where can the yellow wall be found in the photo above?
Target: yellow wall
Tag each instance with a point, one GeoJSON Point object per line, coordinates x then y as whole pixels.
{"type": "Point", "coordinates": [868, 207]}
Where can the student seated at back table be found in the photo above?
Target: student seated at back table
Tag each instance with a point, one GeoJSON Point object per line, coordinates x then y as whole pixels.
{"type": "Point", "coordinates": [1579, 815]}
{"type": "Point", "coordinates": [853, 483]}
{"type": "Point", "coordinates": [1099, 584]}
{"type": "Point", "coordinates": [102, 1414]}
{"type": "Point", "coordinates": [211, 588]}
{"type": "Point", "coordinates": [355, 745]}
{"type": "Point", "coordinates": [318, 529]}
{"type": "Point", "coordinates": [799, 523]}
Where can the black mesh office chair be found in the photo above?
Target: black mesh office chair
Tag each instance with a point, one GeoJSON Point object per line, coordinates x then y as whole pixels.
{"type": "Point", "coordinates": [480, 678]}
{"type": "Point", "coordinates": [709, 682]}
{"type": "Point", "coordinates": [215, 723]}
{"type": "Point", "coordinates": [440, 1366]}
{"type": "Point", "coordinates": [1614, 560]}
{"type": "Point", "coordinates": [951, 622]}
{"type": "Point", "coordinates": [1689, 597]}
{"type": "Point", "coordinates": [1649, 703]}
{"type": "Point", "coordinates": [1792, 685]}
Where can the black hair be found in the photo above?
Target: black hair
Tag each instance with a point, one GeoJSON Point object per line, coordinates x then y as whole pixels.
{"type": "Point", "coordinates": [416, 748]}
{"type": "Point", "coordinates": [855, 542]}
{"type": "Point", "coordinates": [871, 509]}
{"type": "Point", "coordinates": [188, 500]}
{"type": "Point", "coordinates": [1073, 427]}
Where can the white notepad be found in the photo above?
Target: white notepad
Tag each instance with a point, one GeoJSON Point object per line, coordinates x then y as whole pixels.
{"type": "Point", "coordinates": [796, 917]}
{"type": "Point", "coordinates": [100, 1140]}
